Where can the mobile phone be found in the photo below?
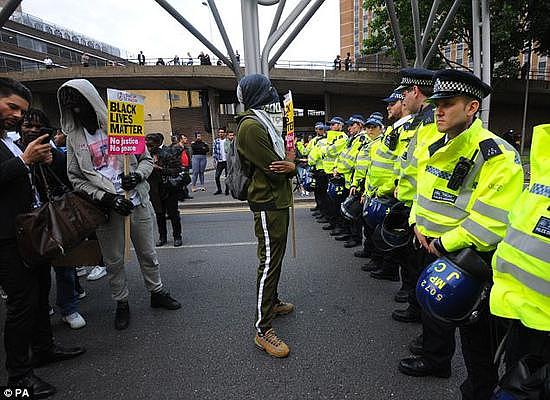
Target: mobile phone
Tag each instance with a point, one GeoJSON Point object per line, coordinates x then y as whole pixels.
{"type": "Point", "coordinates": [47, 131]}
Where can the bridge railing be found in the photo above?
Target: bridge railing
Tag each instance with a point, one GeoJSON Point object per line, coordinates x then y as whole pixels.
{"type": "Point", "coordinates": [31, 65]}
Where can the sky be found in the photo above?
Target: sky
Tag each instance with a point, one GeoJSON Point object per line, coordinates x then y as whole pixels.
{"type": "Point", "coordinates": [134, 25]}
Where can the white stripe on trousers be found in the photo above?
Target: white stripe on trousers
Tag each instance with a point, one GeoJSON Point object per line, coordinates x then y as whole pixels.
{"type": "Point", "coordinates": [266, 267]}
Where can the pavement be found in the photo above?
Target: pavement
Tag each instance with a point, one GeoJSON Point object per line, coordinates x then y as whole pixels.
{"type": "Point", "coordinates": [344, 345]}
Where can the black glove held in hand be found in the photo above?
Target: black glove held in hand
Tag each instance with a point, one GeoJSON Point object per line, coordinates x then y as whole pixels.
{"type": "Point", "coordinates": [118, 203]}
{"type": "Point", "coordinates": [130, 181]}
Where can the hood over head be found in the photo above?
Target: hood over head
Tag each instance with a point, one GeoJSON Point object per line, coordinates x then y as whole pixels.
{"type": "Point", "coordinates": [68, 121]}
{"type": "Point", "coordinates": [255, 91]}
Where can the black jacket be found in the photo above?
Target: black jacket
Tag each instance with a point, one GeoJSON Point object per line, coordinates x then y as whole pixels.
{"type": "Point", "coordinates": [15, 193]}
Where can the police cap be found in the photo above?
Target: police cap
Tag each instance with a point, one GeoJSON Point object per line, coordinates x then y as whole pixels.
{"type": "Point", "coordinates": [394, 97]}
{"type": "Point", "coordinates": [415, 77]}
{"type": "Point", "coordinates": [356, 118]}
{"type": "Point", "coordinates": [451, 83]}
{"type": "Point", "coordinates": [336, 120]}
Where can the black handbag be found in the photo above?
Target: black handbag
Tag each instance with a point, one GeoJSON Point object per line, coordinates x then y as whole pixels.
{"type": "Point", "coordinates": [57, 226]}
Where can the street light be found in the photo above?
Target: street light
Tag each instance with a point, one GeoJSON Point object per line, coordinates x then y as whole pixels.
{"type": "Point", "coordinates": [204, 3]}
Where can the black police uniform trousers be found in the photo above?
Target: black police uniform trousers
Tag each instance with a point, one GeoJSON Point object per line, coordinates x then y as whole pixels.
{"type": "Point", "coordinates": [321, 192]}
{"type": "Point", "coordinates": [479, 342]}
{"type": "Point", "coordinates": [27, 317]}
{"type": "Point", "coordinates": [369, 248]}
{"type": "Point", "coordinates": [522, 341]}
{"type": "Point", "coordinates": [169, 207]}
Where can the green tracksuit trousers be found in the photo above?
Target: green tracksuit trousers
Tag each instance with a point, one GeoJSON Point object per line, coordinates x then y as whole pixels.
{"type": "Point", "coordinates": [271, 228]}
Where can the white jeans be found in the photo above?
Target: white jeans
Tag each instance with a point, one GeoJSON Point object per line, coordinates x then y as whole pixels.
{"type": "Point", "coordinates": [111, 241]}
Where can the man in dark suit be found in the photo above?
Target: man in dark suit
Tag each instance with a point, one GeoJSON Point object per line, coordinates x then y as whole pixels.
{"type": "Point", "coordinates": [27, 320]}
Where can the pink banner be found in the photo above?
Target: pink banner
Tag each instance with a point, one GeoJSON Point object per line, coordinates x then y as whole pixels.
{"type": "Point", "coordinates": [131, 144]}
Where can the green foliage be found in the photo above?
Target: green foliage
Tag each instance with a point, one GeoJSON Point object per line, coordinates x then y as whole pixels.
{"type": "Point", "coordinates": [513, 23]}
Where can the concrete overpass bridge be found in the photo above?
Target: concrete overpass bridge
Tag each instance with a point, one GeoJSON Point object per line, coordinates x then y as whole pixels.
{"type": "Point", "coordinates": [334, 91]}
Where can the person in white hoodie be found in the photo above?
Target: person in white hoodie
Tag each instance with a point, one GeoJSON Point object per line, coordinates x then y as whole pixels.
{"type": "Point", "coordinates": [92, 170]}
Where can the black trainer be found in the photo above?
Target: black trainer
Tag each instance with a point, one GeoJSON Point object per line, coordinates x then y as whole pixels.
{"type": "Point", "coordinates": [40, 389]}
{"type": "Point", "coordinates": [162, 299]}
{"type": "Point", "coordinates": [122, 315]}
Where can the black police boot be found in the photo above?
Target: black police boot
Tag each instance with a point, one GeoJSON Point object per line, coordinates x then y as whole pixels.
{"type": "Point", "coordinates": [336, 232]}
{"type": "Point", "coordinates": [402, 296]}
{"type": "Point", "coordinates": [40, 389]}
{"type": "Point", "coordinates": [370, 266]}
{"type": "Point", "coordinates": [316, 213]}
{"type": "Point", "coordinates": [418, 366]}
{"type": "Point", "coordinates": [55, 354]}
{"type": "Point", "coordinates": [314, 208]}
{"type": "Point", "coordinates": [328, 227]}
{"type": "Point", "coordinates": [409, 315]}
{"type": "Point", "coordinates": [352, 243]}
{"type": "Point", "coordinates": [122, 315]}
{"type": "Point", "coordinates": [361, 254]}
{"type": "Point", "coordinates": [386, 275]}
{"type": "Point", "coordinates": [342, 238]}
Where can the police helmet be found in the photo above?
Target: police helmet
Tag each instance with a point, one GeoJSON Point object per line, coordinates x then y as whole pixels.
{"type": "Point", "coordinates": [310, 183]}
{"type": "Point", "coordinates": [335, 187]}
{"type": "Point", "coordinates": [375, 211]}
{"type": "Point", "coordinates": [351, 208]}
{"type": "Point", "coordinates": [452, 288]}
{"type": "Point", "coordinates": [394, 231]}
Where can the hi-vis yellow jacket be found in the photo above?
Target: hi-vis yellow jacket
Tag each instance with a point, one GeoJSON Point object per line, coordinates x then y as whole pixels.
{"type": "Point", "coordinates": [475, 214]}
{"type": "Point", "coordinates": [382, 173]}
{"type": "Point", "coordinates": [314, 154]}
{"type": "Point", "coordinates": [329, 161]}
{"type": "Point", "coordinates": [346, 150]}
{"type": "Point", "coordinates": [521, 264]}
{"type": "Point", "coordinates": [413, 159]}
{"type": "Point", "coordinates": [363, 162]}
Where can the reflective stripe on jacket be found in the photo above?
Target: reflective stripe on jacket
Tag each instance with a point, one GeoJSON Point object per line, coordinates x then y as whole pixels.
{"type": "Point", "coordinates": [521, 264]}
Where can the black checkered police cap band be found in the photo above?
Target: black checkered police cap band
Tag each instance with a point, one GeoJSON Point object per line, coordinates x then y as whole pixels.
{"type": "Point", "coordinates": [415, 77]}
{"type": "Point", "coordinates": [451, 83]}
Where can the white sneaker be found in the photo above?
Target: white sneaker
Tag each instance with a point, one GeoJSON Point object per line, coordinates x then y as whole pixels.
{"type": "Point", "coordinates": [81, 271]}
{"type": "Point", "coordinates": [97, 273]}
{"type": "Point", "coordinates": [74, 320]}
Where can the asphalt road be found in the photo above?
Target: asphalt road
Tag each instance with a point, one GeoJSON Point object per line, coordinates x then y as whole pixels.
{"type": "Point", "coordinates": [343, 342]}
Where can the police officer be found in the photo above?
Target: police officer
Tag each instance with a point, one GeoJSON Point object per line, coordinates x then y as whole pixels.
{"type": "Point", "coordinates": [466, 186]}
{"type": "Point", "coordinates": [328, 163]}
{"type": "Point", "coordinates": [421, 131]}
{"type": "Point", "coordinates": [315, 162]}
{"type": "Point", "coordinates": [346, 150]}
{"type": "Point", "coordinates": [360, 177]}
{"type": "Point", "coordinates": [521, 264]}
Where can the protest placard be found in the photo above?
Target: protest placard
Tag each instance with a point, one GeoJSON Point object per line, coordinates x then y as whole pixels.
{"type": "Point", "coordinates": [289, 114]}
{"type": "Point", "coordinates": [125, 130]}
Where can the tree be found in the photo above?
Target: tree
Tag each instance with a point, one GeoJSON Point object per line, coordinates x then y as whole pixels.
{"type": "Point", "coordinates": [513, 25]}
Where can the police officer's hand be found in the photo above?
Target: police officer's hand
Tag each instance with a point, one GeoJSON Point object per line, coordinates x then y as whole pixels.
{"type": "Point", "coordinates": [352, 190]}
{"type": "Point", "coordinates": [363, 199]}
{"type": "Point", "coordinates": [37, 152]}
{"type": "Point", "coordinates": [282, 167]}
{"type": "Point", "coordinates": [433, 250]}
{"type": "Point", "coordinates": [422, 239]}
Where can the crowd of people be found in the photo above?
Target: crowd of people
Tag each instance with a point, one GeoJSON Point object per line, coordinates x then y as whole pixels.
{"type": "Point", "coordinates": [434, 200]}
{"type": "Point", "coordinates": [203, 59]}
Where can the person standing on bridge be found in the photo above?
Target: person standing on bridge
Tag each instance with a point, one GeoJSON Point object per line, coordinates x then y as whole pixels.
{"type": "Point", "coordinates": [92, 170]}
{"type": "Point", "coordinates": [262, 151]}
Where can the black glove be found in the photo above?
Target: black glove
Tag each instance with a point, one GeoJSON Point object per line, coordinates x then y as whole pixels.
{"type": "Point", "coordinates": [118, 203]}
{"type": "Point", "coordinates": [130, 181]}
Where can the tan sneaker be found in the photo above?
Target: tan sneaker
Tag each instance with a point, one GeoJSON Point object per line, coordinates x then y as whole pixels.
{"type": "Point", "coordinates": [271, 344]}
{"type": "Point", "coordinates": [282, 308]}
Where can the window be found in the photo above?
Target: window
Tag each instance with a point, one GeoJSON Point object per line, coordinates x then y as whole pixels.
{"type": "Point", "coordinates": [460, 53]}
{"type": "Point", "coordinates": [447, 52]}
{"type": "Point", "coordinates": [9, 38]}
{"type": "Point", "coordinates": [541, 73]}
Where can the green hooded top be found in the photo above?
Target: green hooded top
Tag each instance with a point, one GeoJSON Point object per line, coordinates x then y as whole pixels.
{"type": "Point", "coordinates": [267, 190]}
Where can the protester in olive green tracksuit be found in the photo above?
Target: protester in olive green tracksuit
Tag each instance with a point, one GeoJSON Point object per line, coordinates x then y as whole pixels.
{"type": "Point", "coordinates": [262, 152]}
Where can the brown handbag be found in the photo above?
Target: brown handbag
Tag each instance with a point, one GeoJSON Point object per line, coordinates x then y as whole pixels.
{"type": "Point", "coordinates": [58, 226]}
